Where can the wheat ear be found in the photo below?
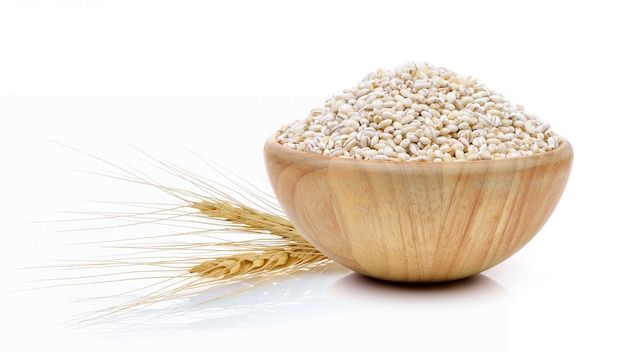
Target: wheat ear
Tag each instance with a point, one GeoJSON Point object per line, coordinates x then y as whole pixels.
{"type": "Point", "coordinates": [296, 253]}
{"type": "Point", "coordinates": [181, 268]}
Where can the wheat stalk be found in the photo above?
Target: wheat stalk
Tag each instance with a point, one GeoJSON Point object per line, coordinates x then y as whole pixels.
{"type": "Point", "coordinates": [296, 253]}
{"type": "Point", "coordinates": [274, 248]}
{"type": "Point", "coordinates": [267, 260]}
{"type": "Point", "coordinates": [250, 219]}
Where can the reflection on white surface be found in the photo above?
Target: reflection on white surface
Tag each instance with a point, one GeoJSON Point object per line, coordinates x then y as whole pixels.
{"type": "Point", "coordinates": [331, 299]}
{"type": "Point", "coordinates": [337, 303]}
{"type": "Point", "coordinates": [246, 304]}
{"type": "Point", "coordinates": [287, 300]}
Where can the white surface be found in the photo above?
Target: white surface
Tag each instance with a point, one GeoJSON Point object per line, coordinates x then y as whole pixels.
{"type": "Point", "coordinates": [97, 76]}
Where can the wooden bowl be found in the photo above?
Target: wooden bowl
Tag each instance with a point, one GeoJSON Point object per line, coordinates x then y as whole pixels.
{"type": "Point", "coordinates": [417, 221]}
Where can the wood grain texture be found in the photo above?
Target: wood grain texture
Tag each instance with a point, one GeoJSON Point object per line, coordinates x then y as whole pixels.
{"type": "Point", "coordinates": [417, 222]}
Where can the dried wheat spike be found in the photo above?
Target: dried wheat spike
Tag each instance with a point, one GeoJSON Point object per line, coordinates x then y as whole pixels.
{"type": "Point", "coordinates": [296, 253]}
{"type": "Point", "coordinates": [271, 259]}
{"type": "Point", "coordinates": [250, 219]}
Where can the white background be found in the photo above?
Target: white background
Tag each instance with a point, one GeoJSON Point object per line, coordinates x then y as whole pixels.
{"type": "Point", "coordinates": [217, 77]}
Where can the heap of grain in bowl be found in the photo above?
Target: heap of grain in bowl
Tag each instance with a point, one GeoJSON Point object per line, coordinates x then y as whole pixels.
{"type": "Point", "coordinates": [419, 112]}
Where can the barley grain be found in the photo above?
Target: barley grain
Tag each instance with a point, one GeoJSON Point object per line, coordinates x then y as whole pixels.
{"type": "Point", "coordinates": [418, 107]}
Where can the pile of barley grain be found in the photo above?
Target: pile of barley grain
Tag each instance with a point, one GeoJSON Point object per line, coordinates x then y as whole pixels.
{"type": "Point", "coordinates": [419, 112]}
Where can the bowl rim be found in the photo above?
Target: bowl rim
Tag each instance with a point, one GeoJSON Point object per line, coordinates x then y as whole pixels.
{"type": "Point", "coordinates": [562, 151]}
